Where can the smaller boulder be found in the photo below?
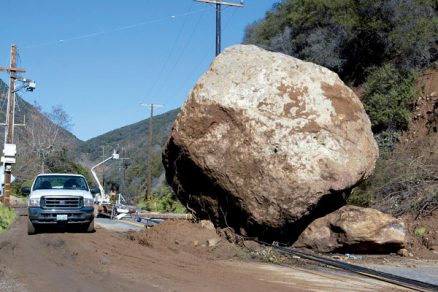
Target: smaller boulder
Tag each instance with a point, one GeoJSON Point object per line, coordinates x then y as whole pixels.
{"type": "Point", "coordinates": [207, 225]}
{"type": "Point", "coordinates": [213, 242]}
{"type": "Point", "coordinates": [354, 229]}
{"type": "Point", "coordinates": [403, 252]}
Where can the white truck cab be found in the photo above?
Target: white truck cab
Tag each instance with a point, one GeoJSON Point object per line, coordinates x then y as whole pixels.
{"type": "Point", "coordinates": [60, 199]}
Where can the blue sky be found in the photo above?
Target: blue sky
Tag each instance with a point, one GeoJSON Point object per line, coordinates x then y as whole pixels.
{"type": "Point", "coordinates": [100, 59]}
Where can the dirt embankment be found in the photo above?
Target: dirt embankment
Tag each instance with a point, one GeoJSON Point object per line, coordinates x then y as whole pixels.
{"type": "Point", "coordinates": [405, 183]}
{"type": "Point", "coordinates": [420, 142]}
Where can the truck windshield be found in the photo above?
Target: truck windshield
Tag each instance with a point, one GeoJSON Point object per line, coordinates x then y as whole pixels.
{"type": "Point", "coordinates": [44, 182]}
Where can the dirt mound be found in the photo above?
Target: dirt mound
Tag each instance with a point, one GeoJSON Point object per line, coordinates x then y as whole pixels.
{"type": "Point", "coordinates": [184, 236]}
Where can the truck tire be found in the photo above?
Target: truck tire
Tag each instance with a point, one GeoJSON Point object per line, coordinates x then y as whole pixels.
{"type": "Point", "coordinates": [90, 228]}
{"type": "Point", "coordinates": [30, 227]}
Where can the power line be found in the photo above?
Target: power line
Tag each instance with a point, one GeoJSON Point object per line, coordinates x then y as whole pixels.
{"type": "Point", "coordinates": [182, 51]}
{"type": "Point", "coordinates": [203, 59]}
{"type": "Point", "coordinates": [163, 68]}
{"type": "Point", "coordinates": [122, 28]}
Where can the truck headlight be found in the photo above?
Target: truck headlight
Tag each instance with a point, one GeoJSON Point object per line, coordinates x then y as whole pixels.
{"type": "Point", "coordinates": [88, 202]}
{"type": "Point", "coordinates": [33, 202]}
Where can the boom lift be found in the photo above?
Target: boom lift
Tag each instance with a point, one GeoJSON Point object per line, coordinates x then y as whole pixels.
{"type": "Point", "coordinates": [102, 197]}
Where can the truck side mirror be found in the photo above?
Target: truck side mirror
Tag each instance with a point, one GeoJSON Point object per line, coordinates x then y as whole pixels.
{"type": "Point", "coordinates": [25, 190]}
{"type": "Point", "coordinates": [95, 191]}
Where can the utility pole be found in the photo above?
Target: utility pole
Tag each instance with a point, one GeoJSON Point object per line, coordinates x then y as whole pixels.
{"type": "Point", "coordinates": [218, 18]}
{"type": "Point", "coordinates": [124, 164]}
{"type": "Point", "coordinates": [103, 151]}
{"type": "Point", "coordinates": [149, 178]}
{"type": "Point", "coordinates": [9, 149]}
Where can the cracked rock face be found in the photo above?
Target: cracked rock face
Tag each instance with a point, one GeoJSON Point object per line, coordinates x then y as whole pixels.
{"type": "Point", "coordinates": [266, 143]}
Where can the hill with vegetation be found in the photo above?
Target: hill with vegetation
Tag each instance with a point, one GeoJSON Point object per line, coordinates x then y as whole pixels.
{"type": "Point", "coordinates": [46, 144]}
{"type": "Point", "coordinates": [128, 174]}
{"type": "Point", "coordinates": [385, 50]}
{"type": "Point", "coordinates": [43, 142]}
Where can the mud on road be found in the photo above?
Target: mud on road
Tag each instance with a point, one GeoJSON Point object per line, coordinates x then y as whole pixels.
{"type": "Point", "coordinates": [173, 256]}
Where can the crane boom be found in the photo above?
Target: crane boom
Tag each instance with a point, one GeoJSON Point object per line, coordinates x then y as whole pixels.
{"type": "Point", "coordinates": [102, 197]}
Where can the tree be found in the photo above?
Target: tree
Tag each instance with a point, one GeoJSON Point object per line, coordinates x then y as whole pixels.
{"type": "Point", "coordinates": [352, 36]}
{"type": "Point", "coordinates": [389, 98]}
{"type": "Point", "coordinates": [44, 131]}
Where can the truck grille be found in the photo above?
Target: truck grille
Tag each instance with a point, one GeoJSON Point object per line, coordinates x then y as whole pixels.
{"type": "Point", "coordinates": [62, 202]}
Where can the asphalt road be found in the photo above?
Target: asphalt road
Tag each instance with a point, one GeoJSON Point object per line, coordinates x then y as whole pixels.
{"type": "Point", "coordinates": [421, 270]}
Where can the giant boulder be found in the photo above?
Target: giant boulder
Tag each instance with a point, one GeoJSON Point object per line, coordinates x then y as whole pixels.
{"type": "Point", "coordinates": [265, 143]}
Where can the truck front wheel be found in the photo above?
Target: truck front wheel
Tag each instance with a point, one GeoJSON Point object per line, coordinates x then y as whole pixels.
{"type": "Point", "coordinates": [30, 227]}
{"type": "Point", "coordinates": [90, 227]}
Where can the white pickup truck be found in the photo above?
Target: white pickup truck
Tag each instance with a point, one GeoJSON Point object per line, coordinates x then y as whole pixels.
{"type": "Point", "coordinates": [59, 199]}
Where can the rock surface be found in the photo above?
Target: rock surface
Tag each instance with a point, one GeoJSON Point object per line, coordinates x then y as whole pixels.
{"type": "Point", "coordinates": [355, 229]}
{"type": "Point", "coordinates": [265, 143]}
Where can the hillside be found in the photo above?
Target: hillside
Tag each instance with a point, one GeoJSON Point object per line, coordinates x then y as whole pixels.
{"type": "Point", "coordinates": [68, 153]}
{"type": "Point", "coordinates": [130, 137]}
{"type": "Point", "coordinates": [352, 38]}
{"type": "Point", "coordinates": [129, 175]}
{"type": "Point", "coordinates": [42, 137]}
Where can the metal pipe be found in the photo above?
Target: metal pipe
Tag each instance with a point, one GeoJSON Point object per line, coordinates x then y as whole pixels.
{"type": "Point", "coordinates": [155, 215]}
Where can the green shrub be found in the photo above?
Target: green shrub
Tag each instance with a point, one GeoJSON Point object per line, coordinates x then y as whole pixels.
{"type": "Point", "coordinates": [27, 183]}
{"type": "Point", "coordinates": [361, 197]}
{"type": "Point", "coordinates": [167, 203]}
{"type": "Point", "coordinates": [270, 255]}
{"type": "Point", "coordinates": [17, 185]}
{"type": "Point", "coordinates": [7, 216]}
{"type": "Point", "coordinates": [420, 231]}
{"type": "Point", "coordinates": [389, 98]}
{"type": "Point", "coordinates": [164, 201]}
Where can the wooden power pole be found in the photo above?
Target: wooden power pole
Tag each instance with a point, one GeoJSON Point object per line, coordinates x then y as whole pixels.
{"type": "Point", "coordinates": [9, 149]}
{"type": "Point", "coordinates": [149, 178]}
{"type": "Point", "coordinates": [10, 116]}
{"type": "Point", "coordinates": [218, 18]}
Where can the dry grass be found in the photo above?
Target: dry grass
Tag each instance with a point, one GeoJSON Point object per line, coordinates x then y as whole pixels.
{"type": "Point", "coordinates": [406, 179]}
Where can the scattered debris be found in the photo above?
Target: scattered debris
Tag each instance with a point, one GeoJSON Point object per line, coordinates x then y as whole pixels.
{"type": "Point", "coordinates": [212, 242]}
{"type": "Point", "coordinates": [403, 252]}
{"type": "Point", "coordinates": [104, 261]}
{"type": "Point", "coordinates": [207, 224]}
{"type": "Point", "coordinates": [353, 257]}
